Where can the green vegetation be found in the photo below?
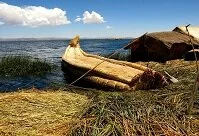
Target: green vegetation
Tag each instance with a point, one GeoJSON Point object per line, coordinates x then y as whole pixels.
{"type": "Point", "coordinates": [78, 111]}
{"type": "Point", "coordinates": [22, 66]}
{"type": "Point", "coordinates": [120, 56]}
{"type": "Point", "coordinates": [137, 113]}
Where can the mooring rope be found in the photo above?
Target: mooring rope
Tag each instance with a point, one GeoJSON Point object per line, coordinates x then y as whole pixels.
{"type": "Point", "coordinates": [103, 61]}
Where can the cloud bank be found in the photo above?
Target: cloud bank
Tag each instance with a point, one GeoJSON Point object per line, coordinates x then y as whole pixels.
{"type": "Point", "coordinates": [90, 18]}
{"type": "Point", "coordinates": [32, 16]}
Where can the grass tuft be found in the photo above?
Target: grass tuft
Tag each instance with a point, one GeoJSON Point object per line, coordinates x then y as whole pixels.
{"type": "Point", "coordinates": [23, 66]}
{"type": "Point", "coordinates": [143, 114]}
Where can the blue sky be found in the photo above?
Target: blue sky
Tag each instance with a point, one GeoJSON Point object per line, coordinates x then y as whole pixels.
{"type": "Point", "coordinates": [114, 18]}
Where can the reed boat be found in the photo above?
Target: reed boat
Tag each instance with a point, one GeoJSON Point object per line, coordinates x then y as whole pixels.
{"type": "Point", "coordinates": [108, 73]}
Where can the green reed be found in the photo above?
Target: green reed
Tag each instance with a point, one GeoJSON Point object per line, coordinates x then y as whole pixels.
{"type": "Point", "coordinates": [23, 65]}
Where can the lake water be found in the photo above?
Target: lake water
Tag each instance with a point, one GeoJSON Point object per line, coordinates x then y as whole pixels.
{"type": "Point", "coordinates": [50, 50]}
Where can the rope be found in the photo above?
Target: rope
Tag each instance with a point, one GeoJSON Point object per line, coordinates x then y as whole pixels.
{"type": "Point", "coordinates": [102, 62]}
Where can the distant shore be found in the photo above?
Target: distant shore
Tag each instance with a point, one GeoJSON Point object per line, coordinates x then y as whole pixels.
{"type": "Point", "coordinates": [62, 38]}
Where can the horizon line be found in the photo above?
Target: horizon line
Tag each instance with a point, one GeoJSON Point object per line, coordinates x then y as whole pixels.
{"type": "Point", "coordinates": [58, 38]}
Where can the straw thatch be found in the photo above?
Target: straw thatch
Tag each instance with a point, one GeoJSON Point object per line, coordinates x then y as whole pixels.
{"type": "Point", "coordinates": [161, 46]}
{"type": "Point", "coordinates": [111, 73]}
{"type": "Point", "coordinates": [193, 31]}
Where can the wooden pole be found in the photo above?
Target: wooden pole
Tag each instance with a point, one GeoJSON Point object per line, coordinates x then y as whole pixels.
{"type": "Point", "coordinates": [196, 82]}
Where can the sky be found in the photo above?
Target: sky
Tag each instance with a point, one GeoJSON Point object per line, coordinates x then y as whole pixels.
{"type": "Point", "coordinates": [93, 18]}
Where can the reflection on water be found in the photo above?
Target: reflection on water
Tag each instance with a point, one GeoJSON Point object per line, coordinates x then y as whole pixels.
{"type": "Point", "coordinates": [50, 50]}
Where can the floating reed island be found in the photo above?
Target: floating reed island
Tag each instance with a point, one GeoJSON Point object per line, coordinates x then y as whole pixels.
{"type": "Point", "coordinates": [78, 111]}
{"type": "Point", "coordinates": [108, 73]}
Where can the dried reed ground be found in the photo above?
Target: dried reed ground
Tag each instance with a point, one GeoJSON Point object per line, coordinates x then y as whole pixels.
{"type": "Point", "coordinates": [34, 112]}
{"type": "Point", "coordinates": [69, 111]}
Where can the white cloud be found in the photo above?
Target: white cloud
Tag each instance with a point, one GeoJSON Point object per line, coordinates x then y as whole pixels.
{"type": "Point", "coordinates": [1, 23]}
{"type": "Point", "coordinates": [78, 19]}
{"type": "Point", "coordinates": [108, 27]}
{"type": "Point", "coordinates": [31, 15]}
{"type": "Point", "coordinates": [90, 18]}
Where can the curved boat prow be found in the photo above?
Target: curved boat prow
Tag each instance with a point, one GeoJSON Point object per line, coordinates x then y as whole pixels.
{"type": "Point", "coordinates": [75, 42]}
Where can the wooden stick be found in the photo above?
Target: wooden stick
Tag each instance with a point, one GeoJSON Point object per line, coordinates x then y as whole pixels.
{"type": "Point", "coordinates": [172, 79]}
{"type": "Point", "coordinates": [196, 83]}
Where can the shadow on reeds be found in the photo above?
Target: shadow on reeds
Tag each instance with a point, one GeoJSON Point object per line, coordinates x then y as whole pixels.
{"type": "Point", "coordinates": [23, 66]}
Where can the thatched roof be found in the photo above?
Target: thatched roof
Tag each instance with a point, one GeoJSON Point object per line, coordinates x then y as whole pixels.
{"type": "Point", "coordinates": [193, 31]}
{"type": "Point", "coordinates": [168, 38]}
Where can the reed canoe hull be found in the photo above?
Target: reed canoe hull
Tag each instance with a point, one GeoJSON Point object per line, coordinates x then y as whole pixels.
{"type": "Point", "coordinates": [92, 79]}
{"type": "Point", "coordinates": [107, 73]}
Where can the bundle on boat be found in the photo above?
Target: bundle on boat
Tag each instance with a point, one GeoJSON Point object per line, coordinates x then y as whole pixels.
{"type": "Point", "coordinates": [108, 73]}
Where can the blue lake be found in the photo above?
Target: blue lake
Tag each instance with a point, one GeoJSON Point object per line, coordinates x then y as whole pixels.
{"type": "Point", "coordinates": [51, 51]}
